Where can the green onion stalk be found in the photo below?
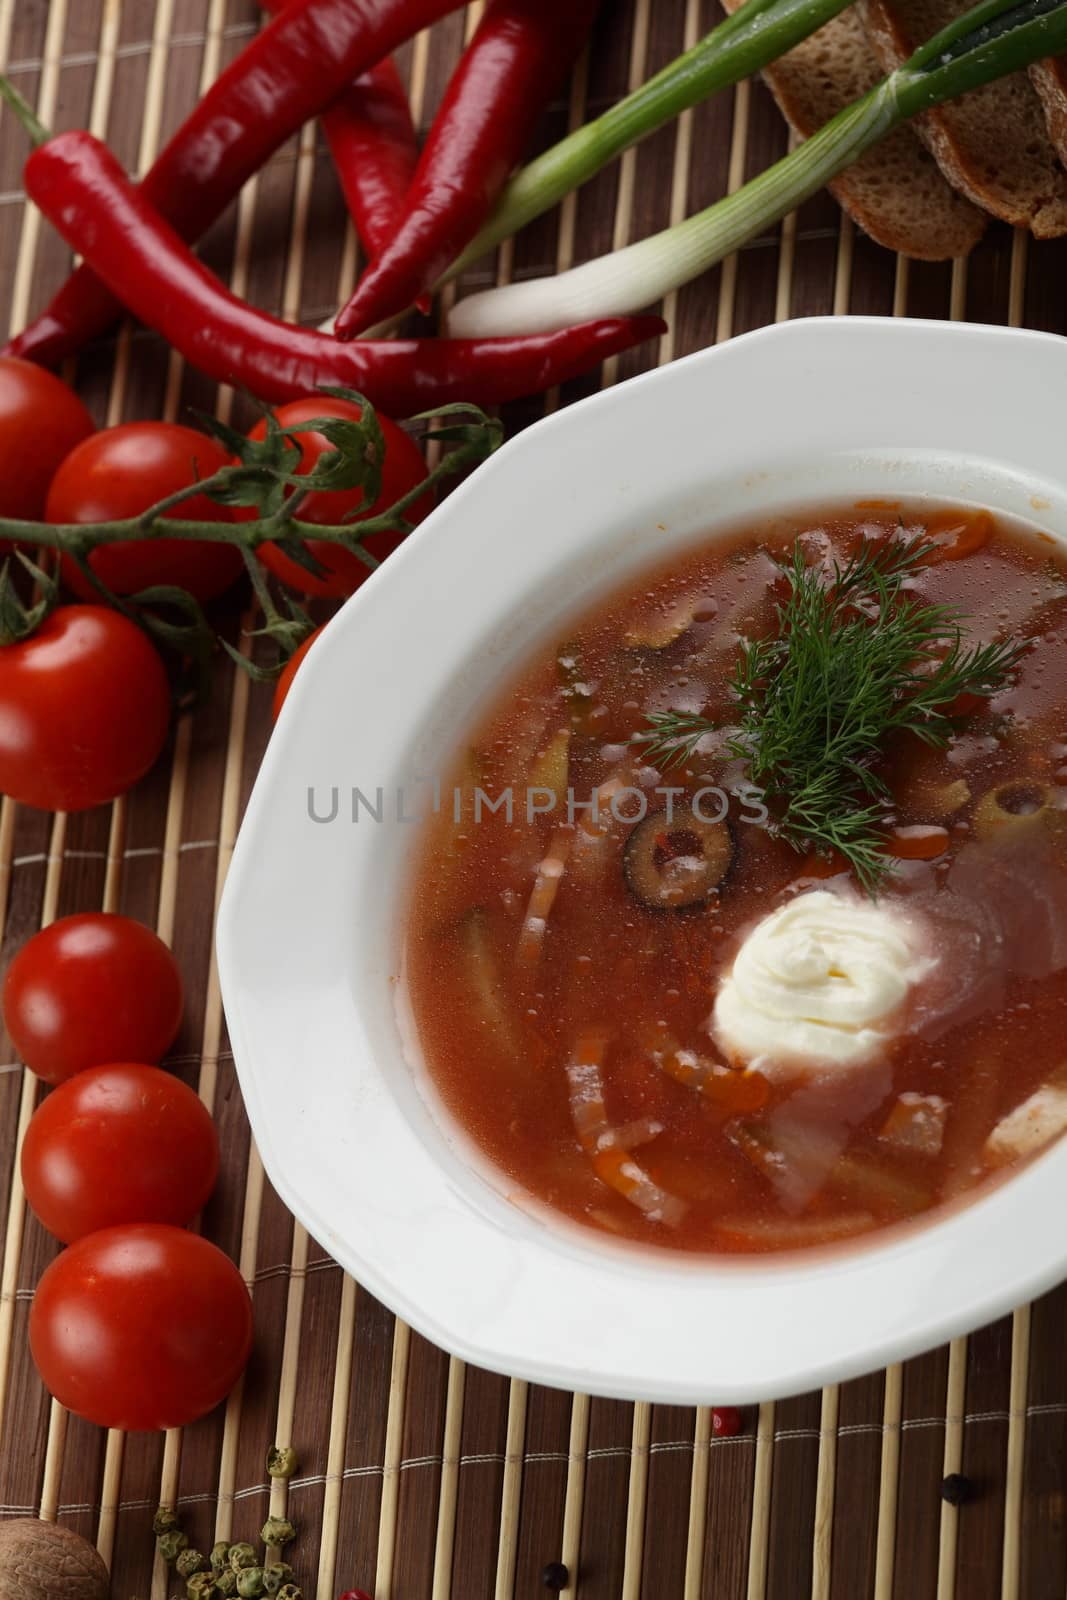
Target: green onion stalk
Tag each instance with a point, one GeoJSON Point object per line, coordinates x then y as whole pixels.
{"type": "Point", "coordinates": [993, 39]}
{"type": "Point", "coordinates": [761, 32]}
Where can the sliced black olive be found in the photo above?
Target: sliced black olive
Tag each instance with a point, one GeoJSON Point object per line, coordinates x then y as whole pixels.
{"type": "Point", "coordinates": [672, 865]}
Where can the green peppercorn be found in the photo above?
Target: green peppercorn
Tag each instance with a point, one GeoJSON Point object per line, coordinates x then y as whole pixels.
{"type": "Point", "coordinates": [250, 1583]}
{"type": "Point", "coordinates": [277, 1531]}
{"type": "Point", "coordinates": [281, 1461]}
{"type": "Point", "coordinates": [201, 1586]}
{"type": "Point", "coordinates": [190, 1562]}
{"type": "Point", "coordinates": [220, 1556]}
{"type": "Point", "coordinates": [242, 1555]}
{"type": "Point", "coordinates": [164, 1521]}
{"type": "Point", "coordinates": [171, 1544]}
{"type": "Point", "coordinates": [227, 1582]}
{"type": "Point", "coordinates": [289, 1591]}
{"type": "Point", "coordinates": [275, 1574]}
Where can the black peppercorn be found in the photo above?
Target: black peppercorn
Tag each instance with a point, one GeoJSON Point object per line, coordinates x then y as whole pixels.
{"type": "Point", "coordinates": [957, 1489]}
{"type": "Point", "coordinates": [556, 1577]}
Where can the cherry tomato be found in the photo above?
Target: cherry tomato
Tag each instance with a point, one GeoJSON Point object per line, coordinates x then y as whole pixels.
{"type": "Point", "coordinates": [41, 421]}
{"type": "Point", "coordinates": [122, 1143]}
{"type": "Point", "coordinates": [120, 473]}
{"type": "Point", "coordinates": [402, 468]}
{"type": "Point", "coordinates": [289, 671]}
{"type": "Point", "coordinates": [84, 710]}
{"type": "Point", "coordinates": [141, 1327]}
{"type": "Point", "coordinates": [88, 990]}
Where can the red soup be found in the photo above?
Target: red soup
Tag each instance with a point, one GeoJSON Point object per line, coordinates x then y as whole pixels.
{"type": "Point", "coordinates": [743, 923]}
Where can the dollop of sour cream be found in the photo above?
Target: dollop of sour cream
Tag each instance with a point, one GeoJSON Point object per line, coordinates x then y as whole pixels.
{"type": "Point", "coordinates": [818, 982]}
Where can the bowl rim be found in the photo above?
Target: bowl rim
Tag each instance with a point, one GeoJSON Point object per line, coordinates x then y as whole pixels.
{"type": "Point", "coordinates": [494, 1323]}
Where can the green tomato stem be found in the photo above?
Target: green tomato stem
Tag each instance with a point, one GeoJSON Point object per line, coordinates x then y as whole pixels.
{"type": "Point", "coordinates": [79, 539]}
{"type": "Point", "coordinates": [21, 108]}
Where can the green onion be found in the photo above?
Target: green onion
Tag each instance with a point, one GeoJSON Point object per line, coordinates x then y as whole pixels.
{"type": "Point", "coordinates": [991, 40]}
{"type": "Point", "coordinates": [759, 33]}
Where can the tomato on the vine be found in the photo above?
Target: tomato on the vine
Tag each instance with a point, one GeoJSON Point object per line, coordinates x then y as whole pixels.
{"type": "Point", "coordinates": [121, 1143]}
{"type": "Point", "coordinates": [120, 473]}
{"type": "Point", "coordinates": [41, 421]}
{"type": "Point", "coordinates": [141, 1327]}
{"type": "Point", "coordinates": [84, 709]}
{"type": "Point", "coordinates": [90, 989]}
{"type": "Point", "coordinates": [403, 468]}
{"type": "Point", "coordinates": [289, 672]}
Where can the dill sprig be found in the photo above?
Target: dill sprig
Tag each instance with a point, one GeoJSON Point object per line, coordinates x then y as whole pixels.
{"type": "Point", "coordinates": [674, 737]}
{"type": "Point", "coordinates": [853, 659]}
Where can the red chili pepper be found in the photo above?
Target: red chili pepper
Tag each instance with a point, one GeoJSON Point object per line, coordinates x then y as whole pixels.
{"type": "Point", "coordinates": [372, 140]}
{"type": "Point", "coordinates": [82, 189]}
{"type": "Point", "coordinates": [290, 72]}
{"type": "Point", "coordinates": [518, 56]}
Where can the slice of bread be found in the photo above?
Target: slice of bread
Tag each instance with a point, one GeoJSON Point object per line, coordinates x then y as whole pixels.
{"type": "Point", "coordinates": [993, 144]}
{"type": "Point", "coordinates": [894, 192]}
{"type": "Point", "coordinates": [1049, 78]}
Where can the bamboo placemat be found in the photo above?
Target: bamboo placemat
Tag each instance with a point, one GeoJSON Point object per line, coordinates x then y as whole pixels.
{"type": "Point", "coordinates": [420, 1478]}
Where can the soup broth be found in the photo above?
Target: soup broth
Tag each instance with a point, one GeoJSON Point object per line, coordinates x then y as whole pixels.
{"type": "Point", "coordinates": [608, 993]}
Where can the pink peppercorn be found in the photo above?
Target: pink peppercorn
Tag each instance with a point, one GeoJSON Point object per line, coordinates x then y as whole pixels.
{"type": "Point", "coordinates": [725, 1422]}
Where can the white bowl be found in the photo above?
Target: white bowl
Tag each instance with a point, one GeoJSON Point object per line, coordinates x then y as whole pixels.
{"type": "Point", "coordinates": [310, 930]}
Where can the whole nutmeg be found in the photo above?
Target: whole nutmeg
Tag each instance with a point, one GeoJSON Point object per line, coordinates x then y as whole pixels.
{"type": "Point", "coordinates": [43, 1561]}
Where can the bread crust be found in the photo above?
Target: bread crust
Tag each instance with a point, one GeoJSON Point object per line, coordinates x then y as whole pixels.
{"type": "Point", "coordinates": [1049, 78]}
{"type": "Point", "coordinates": [895, 192]}
{"type": "Point", "coordinates": [993, 144]}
